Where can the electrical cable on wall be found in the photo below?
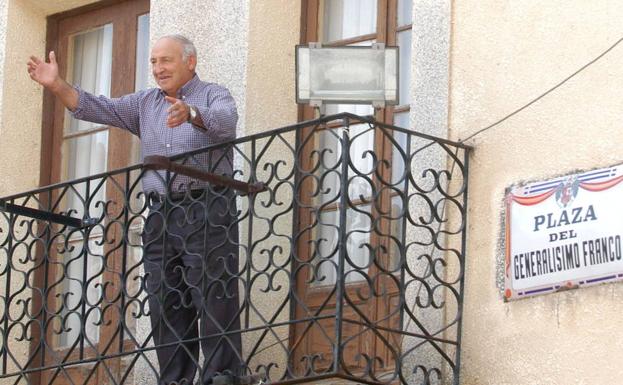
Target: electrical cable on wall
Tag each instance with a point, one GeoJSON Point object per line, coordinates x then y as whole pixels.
{"type": "Point", "coordinates": [604, 53]}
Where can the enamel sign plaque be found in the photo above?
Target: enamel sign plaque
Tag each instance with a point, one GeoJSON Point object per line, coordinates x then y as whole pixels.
{"type": "Point", "coordinates": [564, 233]}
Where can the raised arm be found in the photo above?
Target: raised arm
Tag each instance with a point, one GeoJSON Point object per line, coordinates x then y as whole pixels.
{"type": "Point", "coordinates": [46, 74]}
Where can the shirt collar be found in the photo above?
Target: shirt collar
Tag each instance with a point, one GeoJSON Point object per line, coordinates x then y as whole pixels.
{"type": "Point", "coordinates": [189, 87]}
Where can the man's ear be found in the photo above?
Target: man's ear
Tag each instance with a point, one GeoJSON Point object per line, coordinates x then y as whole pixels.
{"type": "Point", "coordinates": [192, 62]}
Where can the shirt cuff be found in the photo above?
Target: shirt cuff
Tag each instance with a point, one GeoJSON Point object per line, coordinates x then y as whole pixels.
{"type": "Point", "coordinates": [78, 112]}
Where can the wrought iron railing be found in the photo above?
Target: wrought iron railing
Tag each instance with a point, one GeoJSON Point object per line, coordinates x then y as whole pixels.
{"type": "Point", "coordinates": [337, 252]}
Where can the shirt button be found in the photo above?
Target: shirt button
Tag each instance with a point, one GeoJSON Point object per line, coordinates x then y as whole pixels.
{"type": "Point", "coordinates": [183, 96]}
{"type": "Point", "coordinates": [168, 145]}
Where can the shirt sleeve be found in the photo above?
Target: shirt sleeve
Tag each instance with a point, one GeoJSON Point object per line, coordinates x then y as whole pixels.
{"type": "Point", "coordinates": [120, 112]}
{"type": "Point", "coordinates": [219, 115]}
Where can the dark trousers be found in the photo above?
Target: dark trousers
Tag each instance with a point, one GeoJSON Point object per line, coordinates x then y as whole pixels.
{"type": "Point", "coordinates": [190, 257]}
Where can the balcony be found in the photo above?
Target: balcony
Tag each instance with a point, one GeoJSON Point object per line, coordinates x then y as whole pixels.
{"type": "Point", "coordinates": [326, 252]}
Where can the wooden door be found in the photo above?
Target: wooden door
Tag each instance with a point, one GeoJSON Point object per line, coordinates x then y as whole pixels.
{"type": "Point", "coordinates": [101, 49]}
{"type": "Point", "coordinates": [371, 279]}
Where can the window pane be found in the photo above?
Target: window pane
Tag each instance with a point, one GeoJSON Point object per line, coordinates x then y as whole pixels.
{"type": "Point", "coordinates": [142, 53]}
{"type": "Point", "coordinates": [361, 170]}
{"type": "Point", "coordinates": [401, 119]}
{"type": "Point", "coordinates": [405, 12]}
{"type": "Point", "coordinates": [81, 261]}
{"type": "Point", "coordinates": [396, 223]}
{"type": "Point", "coordinates": [361, 165]}
{"type": "Point", "coordinates": [358, 226]}
{"type": "Point", "coordinates": [357, 109]}
{"type": "Point", "coordinates": [142, 74]}
{"type": "Point", "coordinates": [400, 157]}
{"type": "Point", "coordinates": [90, 67]}
{"type": "Point", "coordinates": [404, 42]}
{"type": "Point", "coordinates": [344, 19]}
{"type": "Point", "coordinates": [86, 155]}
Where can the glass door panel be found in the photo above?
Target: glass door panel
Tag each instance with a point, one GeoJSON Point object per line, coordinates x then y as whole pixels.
{"type": "Point", "coordinates": [143, 73]}
{"type": "Point", "coordinates": [90, 68]}
{"type": "Point", "coordinates": [404, 67]}
{"type": "Point", "coordinates": [344, 19]}
{"type": "Point", "coordinates": [373, 207]}
{"type": "Point", "coordinates": [82, 260]}
{"type": "Point", "coordinates": [141, 80]}
{"type": "Point", "coordinates": [404, 11]}
{"type": "Point", "coordinates": [85, 152]}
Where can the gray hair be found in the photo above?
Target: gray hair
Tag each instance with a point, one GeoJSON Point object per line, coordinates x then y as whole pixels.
{"type": "Point", "coordinates": [188, 48]}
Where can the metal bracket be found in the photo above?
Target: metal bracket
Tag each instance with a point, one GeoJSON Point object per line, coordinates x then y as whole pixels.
{"type": "Point", "coordinates": [379, 46]}
{"type": "Point", "coordinates": [378, 104]}
{"type": "Point", "coordinates": [227, 379]}
{"type": "Point", "coordinates": [315, 103]}
{"type": "Point", "coordinates": [47, 216]}
{"type": "Point", "coordinates": [318, 107]}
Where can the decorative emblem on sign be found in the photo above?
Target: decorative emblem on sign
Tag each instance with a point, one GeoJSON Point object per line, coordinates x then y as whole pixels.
{"type": "Point", "coordinates": [567, 191]}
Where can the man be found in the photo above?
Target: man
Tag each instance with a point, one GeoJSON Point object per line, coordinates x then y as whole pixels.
{"type": "Point", "coordinates": [190, 258]}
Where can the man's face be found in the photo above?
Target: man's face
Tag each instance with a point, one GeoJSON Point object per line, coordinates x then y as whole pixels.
{"type": "Point", "coordinates": [168, 66]}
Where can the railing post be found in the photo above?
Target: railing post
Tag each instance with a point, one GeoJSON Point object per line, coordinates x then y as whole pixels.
{"type": "Point", "coordinates": [340, 281]}
{"type": "Point", "coordinates": [457, 364]}
{"type": "Point", "coordinates": [7, 316]}
{"type": "Point", "coordinates": [403, 239]}
{"type": "Point", "coordinates": [249, 263]}
{"type": "Point", "coordinates": [84, 253]}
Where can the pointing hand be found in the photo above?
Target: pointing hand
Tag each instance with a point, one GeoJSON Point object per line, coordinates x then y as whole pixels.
{"type": "Point", "coordinates": [178, 112]}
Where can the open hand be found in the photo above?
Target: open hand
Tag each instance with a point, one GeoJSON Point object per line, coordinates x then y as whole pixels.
{"type": "Point", "coordinates": [43, 72]}
{"type": "Point", "coordinates": [178, 113]}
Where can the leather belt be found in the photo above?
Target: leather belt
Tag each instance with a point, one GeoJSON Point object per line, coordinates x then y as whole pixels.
{"type": "Point", "coordinates": [178, 196]}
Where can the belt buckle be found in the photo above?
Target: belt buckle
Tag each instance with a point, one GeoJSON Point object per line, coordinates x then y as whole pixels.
{"type": "Point", "coordinates": [152, 197]}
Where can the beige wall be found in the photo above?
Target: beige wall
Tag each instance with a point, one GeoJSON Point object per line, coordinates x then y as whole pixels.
{"type": "Point", "coordinates": [4, 7]}
{"type": "Point", "coordinates": [20, 130]}
{"type": "Point", "coordinates": [504, 54]}
{"type": "Point", "coordinates": [274, 27]}
{"type": "Point", "coordinates": [274, 30]}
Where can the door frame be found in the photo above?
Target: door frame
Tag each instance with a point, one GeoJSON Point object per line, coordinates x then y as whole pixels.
{"type": "Point", "coordinates": [123, 14]}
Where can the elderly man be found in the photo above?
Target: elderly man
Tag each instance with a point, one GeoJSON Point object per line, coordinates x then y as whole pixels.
{"type": "Point", "coordinates": [190, 258]}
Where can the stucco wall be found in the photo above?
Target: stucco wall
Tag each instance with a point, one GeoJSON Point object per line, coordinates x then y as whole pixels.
{"type": "Point", "coordinates": [430, 66]}
{"type": "Point", "coordinates": [55, 6]}
{"type": "Point", "coordinates": [504, 54]}
{"type": "Point", "coordinates": [4, 6]}
{"type": "Point", "coordinates": [20, 133]}
{"type": "Point", "coordinates": [274, 30]}
{"type": "Point", "coordinates": [21, 103]}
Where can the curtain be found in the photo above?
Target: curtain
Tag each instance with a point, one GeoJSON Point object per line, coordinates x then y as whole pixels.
{"type": "Point", "coordinates": [90, 69]}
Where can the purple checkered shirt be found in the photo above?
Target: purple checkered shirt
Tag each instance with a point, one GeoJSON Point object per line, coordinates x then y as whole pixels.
{"type": "Point", "coordinates": [144, 114]}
